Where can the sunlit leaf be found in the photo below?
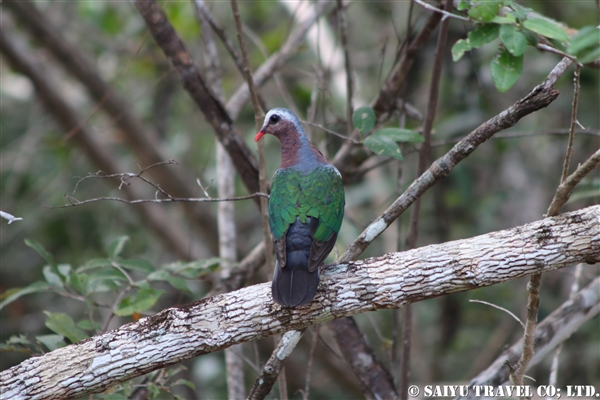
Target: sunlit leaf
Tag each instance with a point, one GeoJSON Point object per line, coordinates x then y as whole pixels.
{"type": "Point", "coordinates": [363, 119]}
{"type": "Point", "coordinates": [546, 28]}
{"type": "Point", "coordinates": [506, 70]}
{"type": "Point", "coordinates": [62, 324]}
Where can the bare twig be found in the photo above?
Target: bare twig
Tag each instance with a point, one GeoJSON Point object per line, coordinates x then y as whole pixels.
{"type": "Point", "coordinates": [75, 202]}
{"type": "Point", "coordinates": [565, 170]}
{"type": "Point", "coordinates": [499, 308]}
{"type": "Point", "coordinates": [553, 379]}
{"type": "Point", "coordinates": [349, 79]}
{"type": "Point", "coordinates": [445, 13]}
{"type": "Point", "coordinates": [321, 127]}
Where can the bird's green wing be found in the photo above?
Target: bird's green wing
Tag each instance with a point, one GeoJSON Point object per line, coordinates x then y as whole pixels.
{"type": "Point", "coordinates": [318, 193]}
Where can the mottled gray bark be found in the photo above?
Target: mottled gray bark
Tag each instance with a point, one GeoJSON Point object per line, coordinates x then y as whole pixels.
{"type": "Point", "coordinates": [389, 281]}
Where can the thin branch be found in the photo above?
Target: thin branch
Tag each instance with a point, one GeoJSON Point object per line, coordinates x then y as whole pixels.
{"type": "Point", "coordinates": [565, 170]}
{"type": "Point", "coordinates": [564, 190]}
{"type": "Point", "coordinates": [446, 14]}
{"type": "Point", "coordinates": [324, 129]}
{"type": "Point", "coordinates": [74, 202]}
{"type": "Point", "coordinates": [499, 308]}
{"type": "Point", "coordinates": [349, 80]}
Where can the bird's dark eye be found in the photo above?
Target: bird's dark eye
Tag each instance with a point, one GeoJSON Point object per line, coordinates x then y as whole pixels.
{"type": "Point", "coordinates": [274, 119]}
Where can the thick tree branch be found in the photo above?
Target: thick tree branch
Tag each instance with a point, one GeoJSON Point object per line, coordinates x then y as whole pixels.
{"type": "Point", "coordinates": [389, 281]}
{"type": "Point", "coordinates": [553, 330]}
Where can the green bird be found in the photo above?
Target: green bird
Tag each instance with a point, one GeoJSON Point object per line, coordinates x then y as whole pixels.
{"type": "Point", "coordinates": [306, 208]}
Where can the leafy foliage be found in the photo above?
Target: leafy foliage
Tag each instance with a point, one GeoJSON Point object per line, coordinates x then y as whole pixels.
{"type": "Point", "coordinates": [518, 27]}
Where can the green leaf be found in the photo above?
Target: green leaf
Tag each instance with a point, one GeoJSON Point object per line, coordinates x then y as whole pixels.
{"type": "Point", "coordinates": [546, 28]}
{"type": "Point", "coordinates": [400, 135]}
{"type": "Point", "coordinates": [506, 70]}
{"type": "Point", "coordinates": [51, 275]}
{"type": "Point", "coordinates": [95, 263]}
{"type": "Point", "coordinates": [35, 245]}
{"type": "Point", "coordinates": [589, 55]}
{"type": "Point", "coordinates": [195, 269]}
{"type": "Point", "coordinates": [483, 34]}
{"type": "Point", "coordinates": [52, 342]}
{"type": "Point", "coordinates": [185, 382]}
{"type": "Point", "coordinates": [175, 281]}
{"type": "Point", "coordinates": [88, 325]}
{"type": "Point", "coordinates": [462, 5]}
{"type": "Point", "coordinates": [383, 146]}
{"type": "Point", "coordinates": [363, 119]}
{"type": "Point", "coordinates": [588, 36]}
{"type": "Point", "coordinates": [79, 282]}
{"type": "Point", "coordinates": [514, 41]}
{"type": "Point", "coordinates": [507, 19]}
{"type": "Point", "coordinates": [139, 302]}
{"type": "Point", "coordinates": [116, 246]}
{"type": "Point", "coordinates": [485, 11]}
{"type": "Point", "coordinates": [460, 48]}
{"type": "Point", "coordinates": [62, 324]}
{"type": "Point", "coordinates": [12, 294]}
{"type": "Point", "coordinates": [136, 264]}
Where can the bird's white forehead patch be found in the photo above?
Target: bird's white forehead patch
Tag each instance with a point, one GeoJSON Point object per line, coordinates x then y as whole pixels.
{"type": "Point", "coordinates": [284, 113]}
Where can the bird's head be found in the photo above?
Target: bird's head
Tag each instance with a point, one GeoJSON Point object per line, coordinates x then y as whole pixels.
{"type": "Point", "coordinates": [280, 122]}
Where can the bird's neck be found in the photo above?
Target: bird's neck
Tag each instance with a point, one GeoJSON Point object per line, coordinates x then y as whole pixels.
{"type": "Point", "coordinates": [298, 153]}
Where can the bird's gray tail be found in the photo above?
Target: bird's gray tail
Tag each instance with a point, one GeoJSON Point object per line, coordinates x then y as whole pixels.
{"type": "Point", "coordinates": [294, 287]}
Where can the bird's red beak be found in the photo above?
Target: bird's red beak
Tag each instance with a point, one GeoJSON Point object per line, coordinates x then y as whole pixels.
{"type": "Point", "coordinates": [260, 134]}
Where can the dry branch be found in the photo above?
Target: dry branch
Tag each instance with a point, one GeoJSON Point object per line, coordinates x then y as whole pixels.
{"type": "Point", "coordinates": [389, 281]}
